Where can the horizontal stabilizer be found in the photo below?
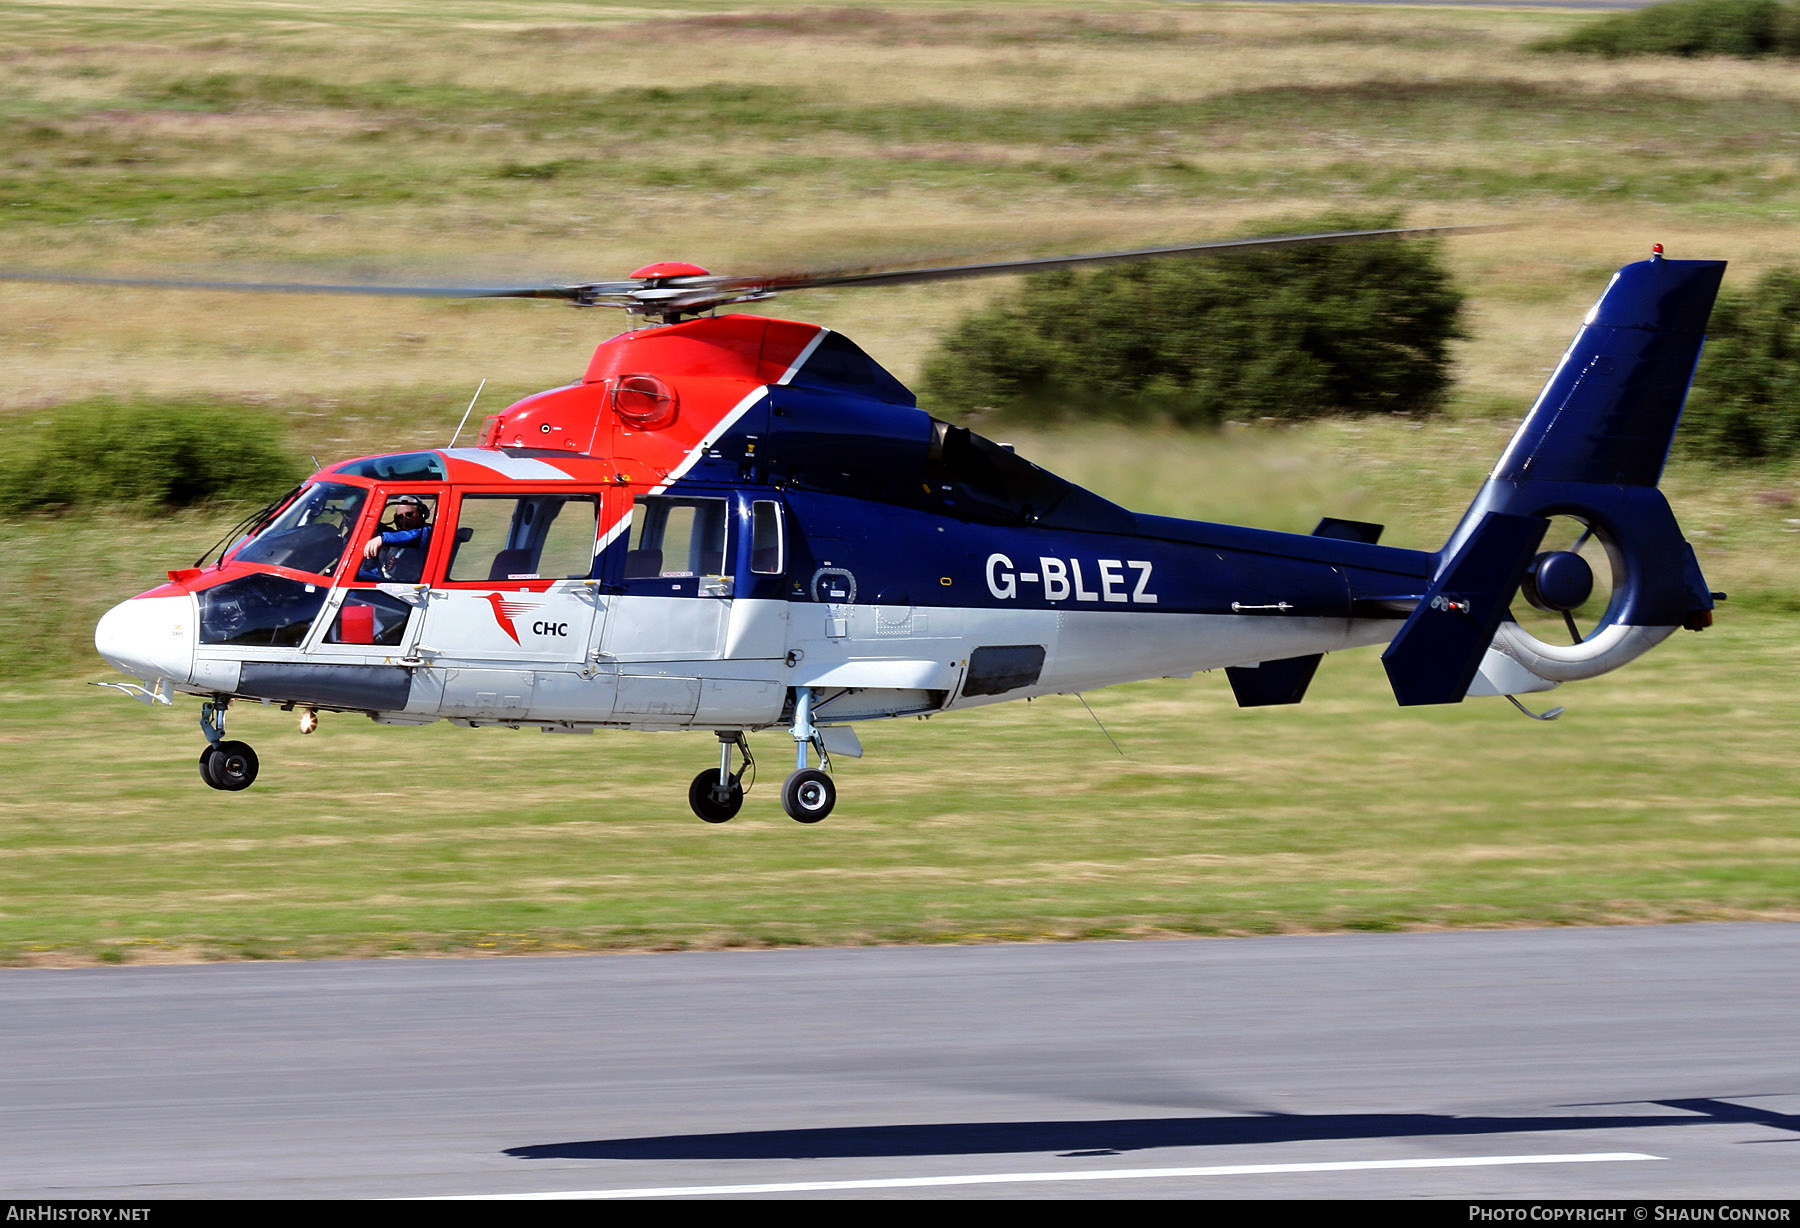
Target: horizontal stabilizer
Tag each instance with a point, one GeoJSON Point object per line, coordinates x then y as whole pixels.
{"type": "Point", "coordinates": [1434, 658]}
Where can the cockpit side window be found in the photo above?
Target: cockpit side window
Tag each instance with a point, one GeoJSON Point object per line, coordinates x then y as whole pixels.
{"type": "Point", "coordinates": [406, 525]}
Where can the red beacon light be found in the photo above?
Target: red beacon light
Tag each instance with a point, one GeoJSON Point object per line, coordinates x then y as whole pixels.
{"type": "Point", "coordinates": [1656, 251]}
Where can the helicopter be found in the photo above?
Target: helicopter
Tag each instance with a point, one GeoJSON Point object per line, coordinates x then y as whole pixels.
{"type": "Point", "coordinates": [735, 523]}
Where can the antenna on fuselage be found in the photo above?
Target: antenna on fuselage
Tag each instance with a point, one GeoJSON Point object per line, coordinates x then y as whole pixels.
{"type": "Point", "coordinates": [1098, 721]}
{"type": "Point", "coordinates": [468, 411]}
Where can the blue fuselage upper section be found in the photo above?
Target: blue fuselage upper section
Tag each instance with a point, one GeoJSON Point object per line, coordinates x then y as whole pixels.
{"type": "Point", "coordinates": [890, 506]}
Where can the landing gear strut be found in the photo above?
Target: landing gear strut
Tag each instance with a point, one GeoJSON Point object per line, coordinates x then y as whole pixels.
{"type": "Point", "coordinates": [717, 795]}
{"type": "Point", "coordinates": [808, 795]}
{"type": "Point", "coordinates": [224, 765]}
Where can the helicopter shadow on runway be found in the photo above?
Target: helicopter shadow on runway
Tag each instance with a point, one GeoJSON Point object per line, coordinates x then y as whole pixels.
{"type": "Point", "coordinates": [1105, 1137]}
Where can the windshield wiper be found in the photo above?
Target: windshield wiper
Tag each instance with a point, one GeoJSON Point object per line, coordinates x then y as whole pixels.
{"type": "Point", "coordinates": [254, 521]}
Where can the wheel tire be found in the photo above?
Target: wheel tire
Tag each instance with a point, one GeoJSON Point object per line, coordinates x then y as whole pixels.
{"type": "Point", "coordinates": [233, 766]}
{"type": "Point", "coordinates": [808, 795]}
{"type": "Point", "coordinates": [709, 808]}
{"type": "Point", "coordinates": [206, 760]}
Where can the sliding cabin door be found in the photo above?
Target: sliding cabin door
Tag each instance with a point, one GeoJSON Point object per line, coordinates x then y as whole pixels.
{"type": "Point", "coordinates": [511, 626]}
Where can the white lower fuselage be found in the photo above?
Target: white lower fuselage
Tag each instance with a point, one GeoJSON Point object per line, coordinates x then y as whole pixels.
{"type": "Point", "coordinates": [584, 659]}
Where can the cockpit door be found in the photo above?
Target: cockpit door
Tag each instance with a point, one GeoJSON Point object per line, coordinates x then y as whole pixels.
{"type": "Point", "coordinates": [374, 610]}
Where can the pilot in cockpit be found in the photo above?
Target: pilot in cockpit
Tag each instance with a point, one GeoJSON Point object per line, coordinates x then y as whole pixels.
{"type": "Point", "coordinates": [398, 554]}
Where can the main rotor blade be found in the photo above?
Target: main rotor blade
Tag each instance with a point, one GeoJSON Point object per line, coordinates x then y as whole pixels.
{"type": "Point", "coordinates": [673, 296]}
{"type": "Point", "coordinates": [298, 287]}
{"type": "Point", "coordinates": [949, 272]}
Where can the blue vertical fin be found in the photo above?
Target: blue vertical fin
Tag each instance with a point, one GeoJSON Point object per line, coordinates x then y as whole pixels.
{"type": "Point", "coordinates": [1609, 411]}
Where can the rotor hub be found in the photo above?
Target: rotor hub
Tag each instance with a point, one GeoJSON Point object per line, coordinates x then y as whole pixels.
{"type": "Point", "coordinates": [1558, 581]}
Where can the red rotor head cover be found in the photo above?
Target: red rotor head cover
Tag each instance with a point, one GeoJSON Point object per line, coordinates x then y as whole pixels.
{"type": "Point", "coordinates": [669, 268]}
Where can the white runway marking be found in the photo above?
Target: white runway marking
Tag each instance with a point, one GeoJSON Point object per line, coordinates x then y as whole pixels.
{"type": "Point", "coordinates": [1098, 1174]}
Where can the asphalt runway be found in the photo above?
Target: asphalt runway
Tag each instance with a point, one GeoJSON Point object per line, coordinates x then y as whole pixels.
{"type": "Point", "coordinates": [1634, 1062]}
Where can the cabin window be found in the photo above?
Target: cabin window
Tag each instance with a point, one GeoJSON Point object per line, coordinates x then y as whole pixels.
{"type": "Point", "coordinates": [310, 533]}
{"type": "Point", "coordinates": [765, 538]}
{"type": "Point", "coordinates": [676, 538]}
{"type": "Point", "coordinates": [524, 537]}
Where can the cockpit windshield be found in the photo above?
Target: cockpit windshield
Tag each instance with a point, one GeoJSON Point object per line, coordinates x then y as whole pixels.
{"type": "Point", "coordinates": [309, 534]}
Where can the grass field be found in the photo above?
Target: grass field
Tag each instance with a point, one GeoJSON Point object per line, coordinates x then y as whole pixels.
{"type": "Point", "coordinates": [537, 139]}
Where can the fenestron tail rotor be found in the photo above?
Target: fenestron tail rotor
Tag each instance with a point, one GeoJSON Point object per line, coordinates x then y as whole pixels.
{"type": "Point", "coordinates": [1569, 585]}
{"type": "Point", "coordinates": [670, 290]}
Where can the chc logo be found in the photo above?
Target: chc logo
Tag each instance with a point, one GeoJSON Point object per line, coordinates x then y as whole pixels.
{"type": "Point", "coordinates": [505, 611]}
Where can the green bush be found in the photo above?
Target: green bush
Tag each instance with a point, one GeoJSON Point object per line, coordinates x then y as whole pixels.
{"type": "Point", "coordinates": [140, 455]}
{"type": "Point", "coordinates": [1745, 403]}
{"type": "Point", "coordinates": [1360, 327]}
{"type": "Point", "coordinates": [1692, 27]}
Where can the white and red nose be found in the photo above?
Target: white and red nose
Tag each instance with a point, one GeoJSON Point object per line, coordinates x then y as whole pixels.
{"type": "Point", "coordinates": [150, 637]}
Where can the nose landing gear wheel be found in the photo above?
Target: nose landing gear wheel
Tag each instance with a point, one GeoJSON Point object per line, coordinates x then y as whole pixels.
{"type": "Point", "coordinates": [704, 798]}
{"type": "Point", "coordinates": [808, 795]}
{"type": "Point", "coordinates": [229, 766]}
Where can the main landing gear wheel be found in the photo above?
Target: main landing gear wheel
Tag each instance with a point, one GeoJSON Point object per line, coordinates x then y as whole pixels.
{"type": "Point", "coordinates": [808, 795]}
{"type": "Point", "coordinates": [229, 766]}
{"type": "Point", "coordinates": [704, 797]}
